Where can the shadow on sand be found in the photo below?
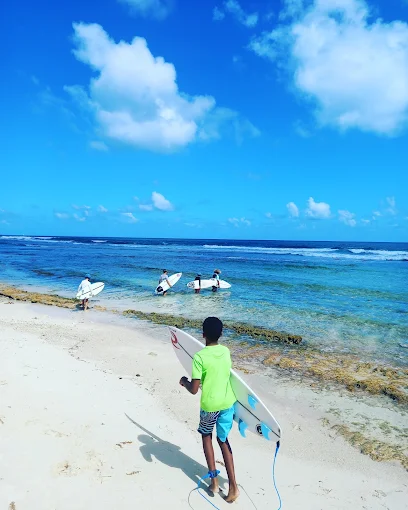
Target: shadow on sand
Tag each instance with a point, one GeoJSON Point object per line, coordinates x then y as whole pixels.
{"type": "Point", "coordinates": [170, 454]}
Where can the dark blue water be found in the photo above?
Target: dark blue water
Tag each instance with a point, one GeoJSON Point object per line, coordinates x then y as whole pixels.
{"type": "Point", "coordinates": [339, 296]}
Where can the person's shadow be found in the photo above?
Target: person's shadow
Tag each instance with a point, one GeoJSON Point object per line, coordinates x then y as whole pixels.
{"type": "Point", "coordinates": [171, 455]}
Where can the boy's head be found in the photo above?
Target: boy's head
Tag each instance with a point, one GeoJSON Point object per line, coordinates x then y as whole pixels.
{"type": "Point", "coordinates": [164, 271]}
{"type": "Point", "coordinates": [212, 329]}
{"type": "Point", "coordinates": [87, 277]}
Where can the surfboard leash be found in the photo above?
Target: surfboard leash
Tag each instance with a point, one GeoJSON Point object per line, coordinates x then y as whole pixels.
{"type": "Point", "coordinates": [273, 474]}
{"type": "Point", "coordinates": [210, 475]}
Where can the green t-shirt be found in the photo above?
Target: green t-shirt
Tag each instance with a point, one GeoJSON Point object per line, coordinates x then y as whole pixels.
{"type": "Point", "coordinates": [212, 365]}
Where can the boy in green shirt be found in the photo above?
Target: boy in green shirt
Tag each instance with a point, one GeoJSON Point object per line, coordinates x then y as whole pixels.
{"type": "Point", "coordinates": [212, 368]}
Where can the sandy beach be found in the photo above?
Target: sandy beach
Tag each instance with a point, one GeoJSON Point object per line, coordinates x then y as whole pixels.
{"type": "Point", "coordinates": [92, 416]}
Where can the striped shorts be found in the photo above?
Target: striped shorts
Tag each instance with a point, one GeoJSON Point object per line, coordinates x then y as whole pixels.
{"type": "Point", "coordinates": [222, 420]}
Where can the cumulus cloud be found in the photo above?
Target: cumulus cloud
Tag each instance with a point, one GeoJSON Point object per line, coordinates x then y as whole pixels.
{"type": "Point", "coordinates": [98, 146]}
{"type": "Point", "coordinates": [239, 222]}
{"type": "Point", "coordinates": [319, 210]}
{"type": "Point", "coordinates": [161, 203]}
{"type": "Point", "coordinates": [134, 97]}
{"type": "Point", "coordinates": [347, 218]}
{"type": "Point", "coordinates": [293, 209]}
{"type": "Point", "coordinates": [61, 216]}
{"type": "Point", "coordinates": [353, 70]}
{"type": "Point", "coordinates": [102, 209]}
{"type": "Point", "coordinates": [130, 217]}
{"type": "Point", "coordinates": [392, 205]}
{"type": "Point", "coordinates": [218, 14]}
{"type": "Point", "coordinates": [146, 207]}
{"type": "Point", "coordinates": [155, 8]}
{"type": "Point", "coordinates": [234, 8]}
{"type": "Point", "coordinates": [81, 207]}
{"type": "Point", "coordinates": [79, 218]}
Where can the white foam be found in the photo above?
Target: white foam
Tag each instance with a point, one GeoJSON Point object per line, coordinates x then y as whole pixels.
{"type": "Point", "coordinates": [332, 253]}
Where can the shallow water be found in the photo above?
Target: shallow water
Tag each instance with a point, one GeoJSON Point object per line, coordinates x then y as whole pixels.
{"type": "Point", "coordinates": [349, 297]}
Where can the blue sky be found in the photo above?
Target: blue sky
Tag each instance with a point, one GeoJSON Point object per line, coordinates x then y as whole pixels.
{"type": "Point", "coordinates": [220, 119]}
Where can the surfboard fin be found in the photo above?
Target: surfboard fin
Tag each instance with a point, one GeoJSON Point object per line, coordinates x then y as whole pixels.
{"type": "Point", "coordinates": [265, 431]}
{"type": "Point", "coordinates": [242, 428]}
{"type": "Point", "coordinates": [252, 401]}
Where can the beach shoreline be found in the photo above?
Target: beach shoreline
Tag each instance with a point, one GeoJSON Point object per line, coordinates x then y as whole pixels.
{"type": "Point", "coordinates": [49, 352]}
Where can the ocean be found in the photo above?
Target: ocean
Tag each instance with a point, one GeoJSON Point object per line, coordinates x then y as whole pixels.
{"type": "Point", "coordinates": [343, 297]}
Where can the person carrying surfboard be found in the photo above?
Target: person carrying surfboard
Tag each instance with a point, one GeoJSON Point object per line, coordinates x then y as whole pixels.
{"type": "Point", "coordinates": [198, 279]}
{"type": "Point", "coordinates": [212, 369]}
{"type": "Point", "coordinates": [165, 278]}
{"type": "Point", "coordinates": [85, 286]}
{"type": "Point", "coordinates": [216, 276]}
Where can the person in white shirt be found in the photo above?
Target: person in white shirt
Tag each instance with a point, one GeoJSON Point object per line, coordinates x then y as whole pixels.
{"type": "Point", "coordinates": [85, 286]}
{"type": "Point", "coordinates": [216, 276]}
{"type": "Point", "coordinates": [164, 278]}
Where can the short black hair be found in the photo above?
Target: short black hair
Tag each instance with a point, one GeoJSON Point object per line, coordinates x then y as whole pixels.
{"type": "Point", "coordinates": [212, 329]}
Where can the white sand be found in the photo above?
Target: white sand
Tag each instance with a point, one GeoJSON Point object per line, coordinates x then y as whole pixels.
{"type": "Point", "coordinates": [79, 430]}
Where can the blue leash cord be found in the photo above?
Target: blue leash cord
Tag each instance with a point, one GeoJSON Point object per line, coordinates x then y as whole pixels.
{"type": "Point", "coordinates": [214, 474]}
{"type": "Point", "coordinates": [273, 474]}
{"type": "Point", "coordinates": [211, 474]}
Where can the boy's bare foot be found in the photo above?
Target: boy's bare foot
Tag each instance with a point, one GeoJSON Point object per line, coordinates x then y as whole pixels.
{"type": "Point", "coordinates": [232, 495]}
{"type": "Point", "coordinates": [214, 487]}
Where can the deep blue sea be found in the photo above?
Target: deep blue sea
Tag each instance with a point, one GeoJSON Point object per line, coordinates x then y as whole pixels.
{"type": "Point", "coordinates": [340, 296]}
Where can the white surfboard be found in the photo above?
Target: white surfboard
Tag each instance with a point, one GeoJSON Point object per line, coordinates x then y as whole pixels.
{"type": "Point", "coordinates": [250, 412]}
{"type": "Point", "coordinates": [207, 284]}
{"type": "Point", "coordinates": [96, 289]}
{"type": "Point", "coordinates": [163, 286]}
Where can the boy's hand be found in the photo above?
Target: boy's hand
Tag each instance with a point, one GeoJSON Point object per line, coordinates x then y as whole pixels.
{"type": "Point", "coordinates": [183, 381]}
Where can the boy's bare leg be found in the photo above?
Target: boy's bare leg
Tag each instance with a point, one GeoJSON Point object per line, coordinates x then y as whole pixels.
{"type": "Point", "coordinates": [233, 492]}
{"type": "Point", "coordinates": [210, 458]}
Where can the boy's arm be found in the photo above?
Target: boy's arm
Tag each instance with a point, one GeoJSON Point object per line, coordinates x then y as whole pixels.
{"type": "Point", "coordinates": [191, 386]}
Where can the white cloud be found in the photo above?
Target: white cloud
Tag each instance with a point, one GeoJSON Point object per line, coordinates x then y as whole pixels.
{"type": "Point", "coordinates": [102, 209]}
{"type": "Point", "coordinates": [377, 214]}
{"type": "Point", "coordinates": [293, 209]}
{"type": "Point", "coordinates": [347, 218]}
{"type": "Point", "coordinates": [155, 8]}
{"type": "Point", "coordinates": [61, 216]}
{"type": "Point", "coordinates": [218, 14]}
{"type": "Point", "coordinates": [161, 203]}
{"type": "Point", "coordinates": [79, 218]}
{"type": "Point", "coordinates": [234, 8]}
{"type": "Point", "coordinates": [392, 209]}
{"type": "Point", "coordinates": [239, 221]}
{"type": "Point", "coordinates": [98, 146]}
{"type": "Point", "coordinates": [146, 207]}
{"type": "Point", "coordinates": [352, 69]}
{"type": "Point", "coordinates": [81, 207]}
{"type": "Point", "coordinates": [134, 98]}
{"type": "Point", "coordinates": [319, 210]}
{"type": "Point", "coordinates": [130, 217]}
{"type": "Point", "coordinates": [365, 222]}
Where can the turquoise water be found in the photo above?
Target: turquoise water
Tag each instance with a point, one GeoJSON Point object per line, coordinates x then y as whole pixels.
{"type": "Point", "coordinates": [349, 297]}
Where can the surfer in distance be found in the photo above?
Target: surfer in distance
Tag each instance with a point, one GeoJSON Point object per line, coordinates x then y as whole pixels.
{"type": "Point", "coordinates": [212, 369]}
{"type": "Point", "coordinates": [165, 278]}
{"type": "Point", "coordinates": [85, 286]}
{"type": "Point", "coordinates": [198, 278]}
{"type": "Point", "coordinates": [216, 276]}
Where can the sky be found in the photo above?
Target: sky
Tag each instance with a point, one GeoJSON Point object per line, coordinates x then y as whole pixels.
{"type": "Point", "coordinates": [219, 119]}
